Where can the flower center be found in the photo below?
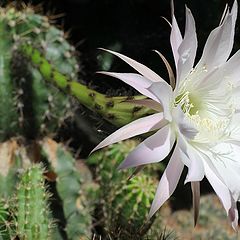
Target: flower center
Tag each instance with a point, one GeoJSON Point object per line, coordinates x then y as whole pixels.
{"type": "Point", "coordinates": [210, 115]}
{"type": "Point", "coordinates": [189, 102]}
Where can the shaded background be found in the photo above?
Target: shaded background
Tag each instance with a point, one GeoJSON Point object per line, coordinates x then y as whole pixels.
{"type": "Point", "coordinates": [133, 27]}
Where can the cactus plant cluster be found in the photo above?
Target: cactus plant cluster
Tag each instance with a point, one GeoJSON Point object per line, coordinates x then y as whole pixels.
{"type": "Point", "coordinates": [124, 202]}
{"type": "Point", "coordinates": [30, 201]}
{"type": "Point", "coordinates": [38, 69]}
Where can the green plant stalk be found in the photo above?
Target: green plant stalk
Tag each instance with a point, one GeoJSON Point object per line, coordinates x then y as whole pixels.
{"type": "Point", "coordinates": [116, 110]}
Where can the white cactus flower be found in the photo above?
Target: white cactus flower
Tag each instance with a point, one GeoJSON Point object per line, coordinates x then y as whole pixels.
{"type": "Point", "coordinates": [197, 115]}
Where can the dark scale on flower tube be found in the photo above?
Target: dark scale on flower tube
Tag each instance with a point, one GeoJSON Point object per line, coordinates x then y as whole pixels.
{"type": "Point", "coordinates": [110, 104]}
{"type": "Point", "coordinates": [111, 116]}
{"type": "Point", "coordinates": [136, 109]}
{"type": "Point", "coordinates": [97, 107]}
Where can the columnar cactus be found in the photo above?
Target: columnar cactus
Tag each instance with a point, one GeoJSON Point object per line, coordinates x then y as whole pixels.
{"type": "Point", "coordinates": [74, 187]}
{"type": "Point", "coordinates": [33, 219]}
{"type": "Point", "coordinates": [29, 106]}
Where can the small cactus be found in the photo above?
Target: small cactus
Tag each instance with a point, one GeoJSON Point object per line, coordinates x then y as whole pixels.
{"type": "Point", "coordinates": [5, 221]}
{"type": "Point", "coordinates": [31, 206]}
{"type": "Point", "coordinates": [125, 203]}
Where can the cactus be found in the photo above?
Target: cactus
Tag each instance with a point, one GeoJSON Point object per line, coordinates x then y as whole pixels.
{"type": "Point", "coordinates": [33, 51]}
{"type": "Point", "coordinates": [31, 207]}
{"type": "Point", "coordinates": [29, 106]}
{"type": "Point", "coordinates": [125, 203]}
{"type": "Point", "coordinates": [75, 189]}
{"type": "Point", "coordinates": [13, 159]}
{"type": "Point", "coordinates": [5, 221]}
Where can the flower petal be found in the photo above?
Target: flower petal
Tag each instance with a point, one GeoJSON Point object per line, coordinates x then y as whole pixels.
{"type": "Point", "coordinates": [224, 194]}
{"type": "Point", "coordinates": [137, 81]}
{"type": "Point", "coordinates": [137, 127]}
{"type": "Point", "coordinates": [153, 149]}
{"type": "Point", "coordinates": [230, 71]}
{"type": "Point", "coordinates": [196, 167]}
{"type": "Point", "coordinates": [195, 186]}
{"type": "Point", "coordinates": [227, 163]}
{"type": "Point", "coordinates": [142, 69]}
{"type": "Point", "coordinates": [219, 43]}
{"type": "Point", "coordinates": [168, 181]}
{"type": "Point", "coordinates": [175, 37]}
{"type": "Point", "coordinates": [185, 127]}
{"type": "Point", "coordinates": [164, 94]}
{"type": "Point", "coordinates": [219, 187]}
{"type": "Point", "coordinates": [187, 49]}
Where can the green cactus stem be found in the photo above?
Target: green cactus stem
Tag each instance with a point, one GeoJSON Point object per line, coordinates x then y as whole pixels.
{"type": "Point", "coordinates": [114, 109]}
{"type": "Point", "coordinates": [29, 106]}
{"type": "Point", "coordinates": [32, 214]}
{"type": "Point", "coordinates": [75, 188]}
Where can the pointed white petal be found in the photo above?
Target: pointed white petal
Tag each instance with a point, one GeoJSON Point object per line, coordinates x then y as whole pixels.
{"type": "Point", "coordinates": [186, 128]}
{"type": "Point", "coordinates": [142, 69]}
{"type": "Point", "coordinates": [187, 49]}
{"type": "Point", "coordinates": [225, 13]}
{"type": "Point", "coordinates": [224, 194]}
{"type": "Point", "coordinates": [219, 43]}
{"type": "Point", "coordinates": [196, 167]}
{"type": "Point", "coordinates": [137, 81]}
{"type": "Point", "coordinates": [153, 149]}
{"type": "Point", "coordinates": [227, 163]}
{"type": "Point", "coordinates": [168, 181]}
{"type": "Point", "coordinates": [164, 94]}
{"type": "Point", "coordinates": [195, 186]}
{"type": "Point", "coordinates": [175, 39]}
{"type": "Point", "coordinates": [230, 71]}
{"type": "Point", "coordinates": [219, 187]}
{"type": "Point", "coordinates": [137, 127]}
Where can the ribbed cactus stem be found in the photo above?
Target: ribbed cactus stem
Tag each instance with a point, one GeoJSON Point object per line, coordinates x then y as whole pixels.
{"type": "Point", "coordinates": [7, 88]}
{"type": "Point", "coordinates": [31, 206]}
{"type": "Point", "coordinates": [73, 186]}
{"type": "Point", "coordinates": [114, 109]}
